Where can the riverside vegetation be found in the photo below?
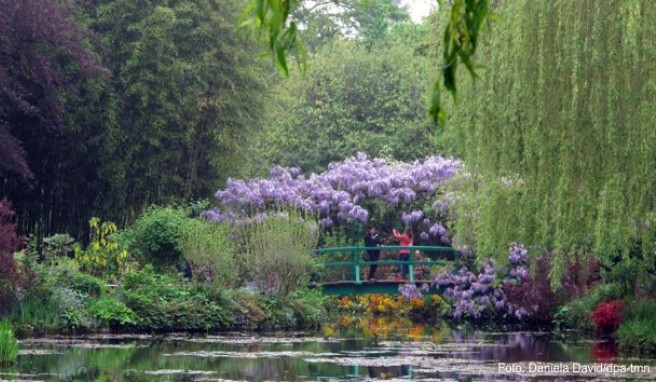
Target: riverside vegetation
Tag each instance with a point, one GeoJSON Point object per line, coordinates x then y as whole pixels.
{"type": "Point", "coordinates": [546, 182]}
{"type": "Point", "coordinates": [247, 264]}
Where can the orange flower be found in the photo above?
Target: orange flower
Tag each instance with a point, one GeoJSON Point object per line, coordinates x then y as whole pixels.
{"type": "Point", "coordinates": [345, 321]}
{"type": "Point", "coordinates": [416, 332]}
{"type": "Point", "coordinates": [417, 302]}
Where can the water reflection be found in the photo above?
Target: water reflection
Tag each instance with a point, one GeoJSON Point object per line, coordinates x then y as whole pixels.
{"type": "Point", "coordinates": [354, 348]}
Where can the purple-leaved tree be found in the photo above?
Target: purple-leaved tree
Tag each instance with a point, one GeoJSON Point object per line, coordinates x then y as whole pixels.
{"type": "Point", "coordinates": [37, 39]}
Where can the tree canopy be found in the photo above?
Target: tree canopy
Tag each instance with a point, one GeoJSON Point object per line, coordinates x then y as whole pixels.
{"type": "Point", "coordinates": [460, 37]}
{"type": "Point", "coordinates": [38, 39]}
{"type": "Point", "coordinates": [352, 99]}
{"type": "Point", "coordinates": [167, 120]}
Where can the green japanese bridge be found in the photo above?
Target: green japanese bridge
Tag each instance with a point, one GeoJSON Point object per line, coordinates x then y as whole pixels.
{"type": "Point", "coordinates": [350, 261]}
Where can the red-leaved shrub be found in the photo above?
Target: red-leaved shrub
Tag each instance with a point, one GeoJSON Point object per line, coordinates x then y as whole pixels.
{"type": "Point", "coordinates": [608, 317]}
{"type": "Point", "coordinates": [534, 294]}
{"type": "Point", "coordinates": [9, 242]}
{"type": "Point", "coordinates": [581, 275]}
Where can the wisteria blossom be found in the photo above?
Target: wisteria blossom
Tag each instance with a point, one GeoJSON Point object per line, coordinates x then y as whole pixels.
{"type": "Point", "coordinates": [409, 291]}
{"type": "Point", "coordinates": [343, 192]}
{"type": "Point", "coordinates": [473, 294]}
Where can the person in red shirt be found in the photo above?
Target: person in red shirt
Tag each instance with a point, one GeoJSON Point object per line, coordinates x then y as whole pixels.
{"type": "Point", "coordinates": [405, 240]}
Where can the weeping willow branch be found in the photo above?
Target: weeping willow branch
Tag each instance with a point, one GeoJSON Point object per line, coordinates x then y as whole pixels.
{"type": "Point", "coordinates": [567, 104]}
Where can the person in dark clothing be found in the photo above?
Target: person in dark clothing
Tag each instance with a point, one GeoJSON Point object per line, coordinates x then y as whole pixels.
{"type": "Point", "coordinates": [372, 239]}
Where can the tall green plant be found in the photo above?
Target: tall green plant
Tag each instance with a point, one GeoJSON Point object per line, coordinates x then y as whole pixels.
{"type": "Point", "coordinates": [279, 250]}
{"type": "Point", "coordinates": [8, 344]}
{"type": "Point", "coordinates": [37, 313]}
{"type": "Point", "coordinates": [210, 249]}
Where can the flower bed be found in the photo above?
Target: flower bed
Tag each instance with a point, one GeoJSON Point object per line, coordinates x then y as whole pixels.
{"type": "Point", "coordinates": [381, 304]}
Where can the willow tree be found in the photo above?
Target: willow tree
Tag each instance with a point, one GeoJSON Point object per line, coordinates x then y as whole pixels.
{"type": "Point", "coordinates": [560, 130]}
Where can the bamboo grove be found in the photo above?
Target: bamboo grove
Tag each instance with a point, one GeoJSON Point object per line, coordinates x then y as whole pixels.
{"type": "Point", "coordinates": [560, 131]}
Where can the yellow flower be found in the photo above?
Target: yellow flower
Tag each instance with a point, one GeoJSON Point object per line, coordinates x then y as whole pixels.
{"type": "Point", "coordinates": [329, 330]}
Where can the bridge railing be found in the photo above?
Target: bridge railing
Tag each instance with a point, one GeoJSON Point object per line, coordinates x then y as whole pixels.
{"type": "Point", "coordinates": [356, 263]}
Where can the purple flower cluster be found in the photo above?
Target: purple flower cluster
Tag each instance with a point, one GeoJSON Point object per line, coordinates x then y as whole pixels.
{"type": "Point", "coordinates": [518, 262]}
{"type": "Point", "coordinates": [342, 192]}
{"type": "Point", "coordinates": [472, 295]}
{"type": "Point", "coordinates": [409, 291]}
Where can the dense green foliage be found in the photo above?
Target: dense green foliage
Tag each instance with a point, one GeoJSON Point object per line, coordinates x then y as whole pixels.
{"type": "Point", "coordinates": [113, 312]}
{"type": "Point", "coordinates": [279, 251]}
{"type": "Point", "coordinates": [210, 250]}
{"type": "Point", "coordinates": [156, 236]}
{"type": "Point", "coordinates": [559, 131]}
{"type": "Point", "coordinates": [171, 120]}
{"type": "Point", "coordinates": [8, 344]}
{"type": "Point", "coordinates": [240, 276]}
{"type": "Point", "coordinates": [187, 89]}
{"type": "Point", "coordinates": [638, 331]}
{"type": "Point", "coordinates": [364, 94]}
{"type": "Point", "coordinates": [274, 20]}
{"type": "Point", "coordinates": [352, 99]}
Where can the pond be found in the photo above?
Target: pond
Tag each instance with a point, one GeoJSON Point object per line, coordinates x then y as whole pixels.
{"type": "Point", "coordinates": [366, 349]}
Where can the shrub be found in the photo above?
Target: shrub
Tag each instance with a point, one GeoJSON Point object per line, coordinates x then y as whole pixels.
{"type": "Point", "coordinates": [104, 256]}
{"type": "Point", "coordinates": [87, 284]}
{"type": "Point", "coordinates": [576, 314]}
{"type": "Point", "coordinates": [63, 274]}
{"type": "Point", "coordinates": [626, 274]}
{"type": "Point", "coordinates": [608, 317]}
{"type": "Point", "coordinates": [70, 309]}
{"type": "Point", "coordinates": [156, 235]}
{"type": "Point", "coordinates": [8, 344]}
{"type": "Point", "coordinates": [279, 251]}
{"type": "Point", "coordinates": [9, 242]}
{"type": "Point", "coordinates": [533, 294]}
{"type": "Point", "coordinates": [638, 336]}
{"type": "Point", "coordinates": [277, 315]}
{"type": "Point", "coordinates": [247, 307]}
{"type": "Point", "coordinates": [58, 245]}
{"type": "Point", "coordinates": [637, 333]}
{"type": "Point", "coordinates": [309, 305]}
{"type": "Point", "coordinates": [113, 312]}
{"type": "Point", "coordinates": [210, 250]}
{"type": "Point", "coordinates": [164, 302]}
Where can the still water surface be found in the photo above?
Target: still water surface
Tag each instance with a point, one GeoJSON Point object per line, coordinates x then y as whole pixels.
{"type": "Point", "coordinates": [369, 349]}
